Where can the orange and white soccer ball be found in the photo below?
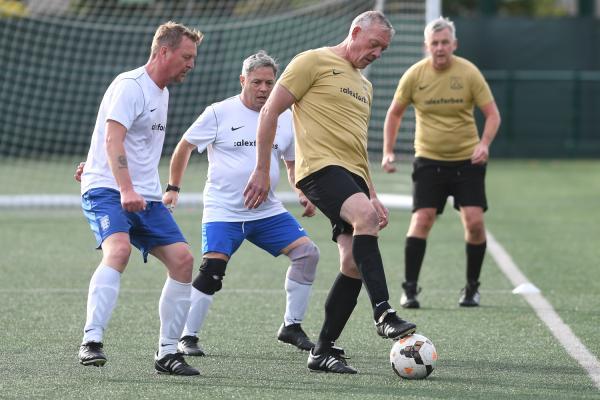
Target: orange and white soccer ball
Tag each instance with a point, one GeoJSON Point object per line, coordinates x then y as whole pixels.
{"type": "Point", "coordinates": [413, 357]}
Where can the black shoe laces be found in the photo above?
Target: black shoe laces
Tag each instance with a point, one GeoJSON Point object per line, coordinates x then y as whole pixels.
{"type": "Point", "coordinates": [339, 354]}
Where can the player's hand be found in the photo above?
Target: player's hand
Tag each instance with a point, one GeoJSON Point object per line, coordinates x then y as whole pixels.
{"type": "Point", "coordinates": [131, 201]}
{"type": "Point", "coordinates": [481, 154]}
{"type": "Point", "coordinates": [382, 212]}
{"type": "Point", "coordinates": [79, 171]}
{"type": "Point", "coordinates": [257, 189]}
{"type": "Point", "coordinates": [309, 208]}
{"type": "Point", "coordinates": [170, 199]}
{"type": "Point", "coordinates": [388, 163]}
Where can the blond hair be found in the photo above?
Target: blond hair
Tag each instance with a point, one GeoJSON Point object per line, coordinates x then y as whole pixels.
{"type": "Point", "coordinates": [170, 35]}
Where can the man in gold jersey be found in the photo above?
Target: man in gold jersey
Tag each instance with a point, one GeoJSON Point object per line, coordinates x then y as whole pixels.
{"type": "Point", "coordinates": [331, 107]}
{"type": "Point", "coordinates": [450, 159]}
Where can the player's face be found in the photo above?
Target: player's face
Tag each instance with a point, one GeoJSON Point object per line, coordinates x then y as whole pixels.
{"type": "Point", "coordinates": [182, 59]}
{"type": "Point", "coordinates": [368, 44]}
{"type": "Point", "coordinates": [257, 86]}
{"type": "Point", "coordinates": [440, 45]}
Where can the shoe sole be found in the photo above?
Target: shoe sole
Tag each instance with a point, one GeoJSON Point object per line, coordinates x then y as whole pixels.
{"type": "Point", "coordinates": [174, 374]}
{"type": "Point", "coordinates": [199, 353]}
{"type": "Point", "coordinates": [166, 372]}
{"type": "Point", "coordinates": [411, 305]}
{"type": "Point", "coordinates": [468, 304]}
{"type": "Point", "coordinates": [98, 362]}
{"type": "Point", "coordinates": [407, 332]}
{"type": "Point", "coordinates": [293, 345]}
{"type": "Point", "coordinates": [324, 371]}
{"type": "Point", "coordinates": [185, 353]}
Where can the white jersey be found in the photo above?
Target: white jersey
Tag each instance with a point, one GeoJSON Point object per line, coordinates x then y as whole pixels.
{"type": "Point", "coordinates": [228, 130]}
{"type": "Point", "coordinates": [137, 103]}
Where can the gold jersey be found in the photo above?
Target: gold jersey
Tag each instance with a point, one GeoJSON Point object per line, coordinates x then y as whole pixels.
{"type": "Point", "coordinates": [444, 103]}
{"type": "Point", "coordinates": [331, 112]}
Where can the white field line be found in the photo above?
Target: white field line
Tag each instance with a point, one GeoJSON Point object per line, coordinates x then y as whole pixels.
{"type": "Point", "coordinates": [544, 310]}
{"type": "Point", "coordinates": [185, 200]}
{"type": "Point", "coordinates": [157, 290]}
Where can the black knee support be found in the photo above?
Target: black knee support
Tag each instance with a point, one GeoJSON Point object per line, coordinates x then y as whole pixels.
{"type": "Point", "coordinates": [212, 271]}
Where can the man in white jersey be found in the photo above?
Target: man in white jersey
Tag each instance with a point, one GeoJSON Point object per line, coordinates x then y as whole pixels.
{"type": "Point", "coordinates": [121, 196]}
{"type": "Point", "coordinates": [228, 130]}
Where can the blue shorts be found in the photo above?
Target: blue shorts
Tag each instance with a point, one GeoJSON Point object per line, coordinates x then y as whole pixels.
{"type": "Point", "coordinates": [154, 226]}
{"type": "Point", "coordinates": [271, 234]}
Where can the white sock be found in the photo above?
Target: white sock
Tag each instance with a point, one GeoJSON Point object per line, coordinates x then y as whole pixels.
{"type": "Point", "coordinates": [173, 308]}
{"type": "Point", "coordinates": [198, 311]}
{"type": "Point", "coordinates": [296, 301]}
{"type": "Point", "coordinates": [102, 298]}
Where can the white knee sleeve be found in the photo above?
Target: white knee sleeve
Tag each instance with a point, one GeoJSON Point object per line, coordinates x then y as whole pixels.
{"type": "Point", "coordinates": [304, 259]}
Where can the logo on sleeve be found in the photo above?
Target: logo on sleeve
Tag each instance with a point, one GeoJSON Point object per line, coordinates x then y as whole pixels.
{"type": "Point", "coordinates": [236, 128]}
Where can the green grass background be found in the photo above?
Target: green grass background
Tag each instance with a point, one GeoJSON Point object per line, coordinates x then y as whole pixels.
{"type": "Point", "coordinates": [545, 213]}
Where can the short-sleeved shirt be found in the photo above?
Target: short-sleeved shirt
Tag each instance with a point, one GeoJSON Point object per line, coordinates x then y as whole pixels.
{"type": "Point", "coordinates": [228, 130]}
{"type": "Point", "coordinates": [331, 112]}
{"type": "Point", "coordinates": [137, 103]}
{"type": "Point", "coordinates": [444, 103]}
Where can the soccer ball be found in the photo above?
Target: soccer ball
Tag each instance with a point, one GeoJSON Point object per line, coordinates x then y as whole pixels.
{"type": "Point", "coordinates": [413, 357]}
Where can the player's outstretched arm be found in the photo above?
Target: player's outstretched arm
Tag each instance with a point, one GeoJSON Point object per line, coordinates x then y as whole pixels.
{"type": "Point", "coordinates": [391, 126]}
{"type": "Point", "coordinates": [179, 161]}
{"type": "Point", "coordinates": [257, 189]}
{"type": "Point", "coordinates": [380, 209]}
{"type": "Point", "coordinates": [117, 160]}
{"type": "Point", "coordinates": [79, 171]}
{"type": "Point", "coordinates": [309, 208]}
{"type": "Point", "coordinates": [490, 128]}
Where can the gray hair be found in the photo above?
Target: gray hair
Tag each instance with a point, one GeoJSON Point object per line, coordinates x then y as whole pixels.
{"type": "Point", "coordinates": [259, 60]}
{"type": "Point", "coordinates": [439, 24]}
{"type": "Point", "coordinates": [369, 18]}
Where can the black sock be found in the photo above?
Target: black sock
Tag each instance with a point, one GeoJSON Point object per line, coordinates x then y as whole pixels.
{"type": "Point", "coordinates": [339, 305]}
{"type": "Point", "coordinates": [414, 252]}
{"type": "Point", "coordinates": [475, 254]}
{"type": "Point", "coordinates": [365, 251]}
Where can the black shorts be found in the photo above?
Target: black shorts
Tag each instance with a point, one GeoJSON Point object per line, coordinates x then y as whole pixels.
{"type": "Point", "coordinates": [328, 188]}
{"type": "Point", "coordinates": [434, 181]}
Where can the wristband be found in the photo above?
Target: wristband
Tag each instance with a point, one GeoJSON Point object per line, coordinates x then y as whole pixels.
{"type": "Point", "coordinates": [172, 188]}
